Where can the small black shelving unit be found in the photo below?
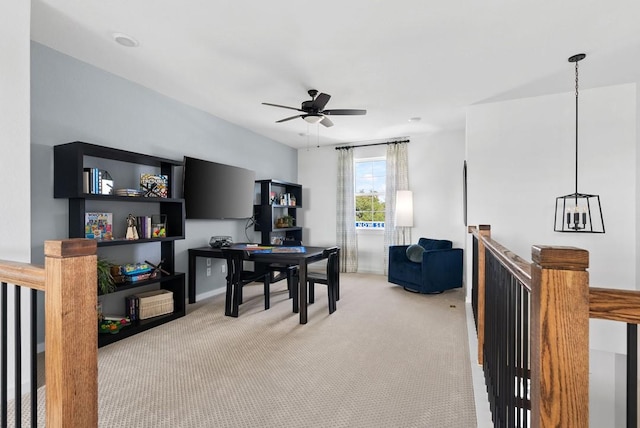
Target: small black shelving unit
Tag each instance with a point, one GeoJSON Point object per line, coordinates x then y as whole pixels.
{"type": "Point", "coordinates": [270, 208]}
{"type": "Point", "coordinates": [69, 161]}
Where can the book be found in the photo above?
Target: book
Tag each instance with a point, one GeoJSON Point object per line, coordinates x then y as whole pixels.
{"type": "Point", "coordinates": [131, 307]}
{"type": "Point", "coordinates": [154, 185]}
{"type": "Point", "coordinates": [98, 225]}
{"type": "Point", "coordinates": [144, 226]}
{"type": "Point", "coordinates": [86, 172]}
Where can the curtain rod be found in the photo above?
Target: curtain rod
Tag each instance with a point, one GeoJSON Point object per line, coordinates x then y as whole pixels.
{"type": "Point", "coordinates": [372, 144]}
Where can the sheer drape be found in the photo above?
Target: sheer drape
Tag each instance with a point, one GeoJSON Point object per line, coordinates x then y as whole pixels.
{"type": "Point", "coordinates": [397, 179]}
{"type": "Point", "coordinates": [346, 213]}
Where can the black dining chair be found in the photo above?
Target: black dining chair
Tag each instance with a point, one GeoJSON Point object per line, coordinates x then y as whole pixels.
{"type": "Point", "coordinates": [331, 278]}
{"type": "Point", "coordinates": [278, 271]}
{"type": "Point", "coordinates": [237, 278]}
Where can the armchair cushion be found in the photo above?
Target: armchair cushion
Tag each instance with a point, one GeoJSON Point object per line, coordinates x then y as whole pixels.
{"type": "Point", "coordinates": [414, 253]}
{"type": "Point", "coordinates": [439, 269]}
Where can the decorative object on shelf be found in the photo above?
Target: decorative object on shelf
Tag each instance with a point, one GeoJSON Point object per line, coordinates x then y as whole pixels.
{"type": "Point", "coordinates": [112, 326]}
{"type": "Point", "coordinates": [117, 275]}
{"type": "Point", "coordinates": [132, 232]}
{"type": "Point", "coordinates": [154, 185]}
{"type": "Point", "coordinates": [157, 269]}
{"type": "Point", "coordinates": [277, 240]}
{"type": "Point", "coordinates": [106, 184]}
{"type": "Point", "coordinates": [159, 226]}
{"type": "Point", "coordinates": [106, 283]}
{"type": "Point", "coordinates": [98, 225]}
{"type": "Point", "coordinates": [574, 211]}
{"type": "Point", "coordinates": [286, 221]}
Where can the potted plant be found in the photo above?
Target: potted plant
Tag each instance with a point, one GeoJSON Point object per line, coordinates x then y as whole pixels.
{"type": "Point", "coordinates": [288, 221]}
{"type": "Point", "coordinates": [106, 283]}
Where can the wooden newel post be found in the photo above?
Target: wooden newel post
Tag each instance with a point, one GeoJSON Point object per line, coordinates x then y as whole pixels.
{"type": "Point", "coordinates": [71, 333]}
{"type": "Point", "coordinates": [559, 337]}
{"type": "Point", "coordinates": [485, 232]}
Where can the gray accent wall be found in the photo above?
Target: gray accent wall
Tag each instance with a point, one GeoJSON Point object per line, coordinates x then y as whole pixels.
{"type": "Point", "coordinates": [74, 101]}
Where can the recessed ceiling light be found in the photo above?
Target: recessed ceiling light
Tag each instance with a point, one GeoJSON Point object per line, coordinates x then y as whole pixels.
{"type": "Point", "coordinates": [415, 119]}
{"type": "Point", "coordinates": [125, 40]}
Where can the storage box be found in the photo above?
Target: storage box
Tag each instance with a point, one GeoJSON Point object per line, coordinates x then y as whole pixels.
{"type": "Point", "coordinates": [154, 303]}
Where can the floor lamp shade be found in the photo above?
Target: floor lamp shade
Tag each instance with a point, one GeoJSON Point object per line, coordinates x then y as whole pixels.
{"type": "Point", "coordinates": [404, 208]}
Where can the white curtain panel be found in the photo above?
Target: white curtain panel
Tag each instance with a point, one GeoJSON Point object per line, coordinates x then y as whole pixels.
{"type": "Point", "coordinates": [346, 213]}
{"type": "Point", "coordinates": [397, 179]}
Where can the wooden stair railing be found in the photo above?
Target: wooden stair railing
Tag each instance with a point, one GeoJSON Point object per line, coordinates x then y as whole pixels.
{"type": "Point", "coordinates": [68, 280]}
{"type": "Point", "coordinates": [561, 305]}
{"type": "Point", "coordinates": [559, 327]}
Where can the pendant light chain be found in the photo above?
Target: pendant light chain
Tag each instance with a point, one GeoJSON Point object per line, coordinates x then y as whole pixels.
{"type": "Point", "coordinates": [576, 129]}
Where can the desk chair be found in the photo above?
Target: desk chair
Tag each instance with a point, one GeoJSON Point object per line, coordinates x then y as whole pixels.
{"type": "Point", "coordinates": [283, 271]}
{"type": "Point", "coordinates": [237, 277]}
{"type": "Point", "coordinates": [331, 278]}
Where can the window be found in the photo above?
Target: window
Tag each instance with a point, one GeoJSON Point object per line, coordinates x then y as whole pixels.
{"type": "Point", "coordinates": [369, 192]}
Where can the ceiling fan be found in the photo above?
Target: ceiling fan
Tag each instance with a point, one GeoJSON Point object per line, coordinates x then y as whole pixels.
{"type": "Point", "coordinates": [312, 110]}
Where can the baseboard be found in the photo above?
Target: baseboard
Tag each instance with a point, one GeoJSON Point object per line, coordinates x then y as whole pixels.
{"type": "Point", "coordinates": [212, 293]}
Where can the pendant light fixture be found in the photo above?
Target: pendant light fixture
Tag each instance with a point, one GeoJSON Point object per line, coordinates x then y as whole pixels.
{"type": "Point", "coordinates": [578, 212]}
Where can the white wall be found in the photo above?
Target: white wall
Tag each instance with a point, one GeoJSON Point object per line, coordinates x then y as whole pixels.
{"type": "Point", "coordinates": [14, 129]}
{"type": "Point", "coordinates": [435, 176]}
{"type": "Point", "coordinates": [521, 156]}
{"type": "Point", "coordinates": [15, 229]}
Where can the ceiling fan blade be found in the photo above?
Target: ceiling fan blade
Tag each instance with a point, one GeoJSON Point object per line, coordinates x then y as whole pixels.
{"type": "Point", "coordinates": [278, 105]}
{"type": "Point", "coordinates": [344, 112]}
{"type": "Point", "coordinates": [321, 100]}
{"type": "Point", "coordinates": [326, 122]}
{"type": "Point", "coordinates": [289, 118]}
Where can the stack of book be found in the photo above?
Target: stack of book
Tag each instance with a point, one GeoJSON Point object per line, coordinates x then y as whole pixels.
{"type": "Point", "coordinates": [144, 226]}
{"type": "Point", "coordinates": [97, 181]}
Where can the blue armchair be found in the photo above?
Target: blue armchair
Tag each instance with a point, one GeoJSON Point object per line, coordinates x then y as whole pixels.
{"type": "Point", "coordinates": [439, 269]}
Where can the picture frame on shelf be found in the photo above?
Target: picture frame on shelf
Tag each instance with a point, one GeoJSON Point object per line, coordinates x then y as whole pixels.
{"type": "Point", "coordinates": [154, 186]}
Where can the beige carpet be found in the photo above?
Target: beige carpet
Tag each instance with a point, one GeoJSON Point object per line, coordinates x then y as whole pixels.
{"type": "Point", "coordinates": [385, 358]}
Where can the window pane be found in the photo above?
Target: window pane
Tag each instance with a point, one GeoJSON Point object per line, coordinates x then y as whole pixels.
{"type": "Point", "coordinates": [370, 177]}
{"type": "Point", "coordinates": [378, 184]}
{"type": "Point", "coordinates": [364, 185]}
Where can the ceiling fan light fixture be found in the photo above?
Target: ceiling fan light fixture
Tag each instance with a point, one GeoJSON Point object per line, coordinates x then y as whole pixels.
{"type": "Point", "coordinates": [312, 118]}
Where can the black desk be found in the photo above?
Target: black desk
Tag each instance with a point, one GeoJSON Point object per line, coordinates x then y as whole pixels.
{"type": "Point", "coordinates": [311, 255]}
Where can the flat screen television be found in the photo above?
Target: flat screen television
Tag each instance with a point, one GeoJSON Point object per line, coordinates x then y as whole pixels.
{"type": "Point", "coordinates": [217, 191]}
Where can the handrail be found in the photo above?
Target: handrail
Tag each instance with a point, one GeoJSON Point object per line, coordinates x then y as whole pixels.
{"type": "Point", "coordinates": [615, 305]}
{"type": "Point", "coordinates": [516, 265]}
{"type": "Point", "coordinates": [23, 274]}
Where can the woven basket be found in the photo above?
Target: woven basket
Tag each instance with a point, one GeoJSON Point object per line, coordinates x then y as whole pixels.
{"type": "Point", "coordinates": [154, 303]}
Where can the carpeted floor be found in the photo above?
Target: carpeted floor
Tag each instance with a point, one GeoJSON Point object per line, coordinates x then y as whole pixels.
{"type": "Point", "coordinates": [385, 358]}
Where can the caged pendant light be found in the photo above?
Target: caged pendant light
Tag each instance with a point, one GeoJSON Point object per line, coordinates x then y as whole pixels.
{"type": "Point", "coordinates": [578, 212]}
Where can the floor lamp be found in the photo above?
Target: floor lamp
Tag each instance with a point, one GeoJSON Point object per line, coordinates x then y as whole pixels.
{"type": "Point", "coordinates": [404, 214]}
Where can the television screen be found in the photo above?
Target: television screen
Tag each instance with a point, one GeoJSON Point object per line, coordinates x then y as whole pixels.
{"type": "Point", "coordinates": [217, 191]}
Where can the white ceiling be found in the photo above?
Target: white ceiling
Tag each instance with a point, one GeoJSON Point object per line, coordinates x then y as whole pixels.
{"type": "Point", "coordinates": [398, 59]}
